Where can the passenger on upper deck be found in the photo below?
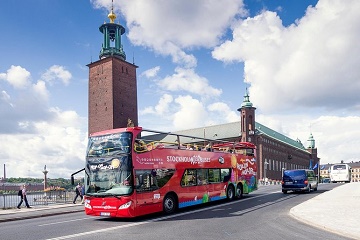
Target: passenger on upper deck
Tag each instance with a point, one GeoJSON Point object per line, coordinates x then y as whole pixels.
{"type": "Point", "coordinates": [140, 146]}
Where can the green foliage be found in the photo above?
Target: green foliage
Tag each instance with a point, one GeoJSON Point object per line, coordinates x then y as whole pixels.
{"type": "Point", "coordinates": [56, 182]}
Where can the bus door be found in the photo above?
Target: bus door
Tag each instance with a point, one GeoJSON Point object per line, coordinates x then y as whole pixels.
{"type": "Point", "coordinates": [147, 192]}
{"type": "Point", "coordinates": [216, 183]}
{"type": "Point", "coordinates": [204, 188]}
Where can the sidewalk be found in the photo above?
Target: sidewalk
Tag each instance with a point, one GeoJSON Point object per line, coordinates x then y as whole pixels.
{"type": "Point", "coordinates": [39, 211]}
{"type": "Point", "coordinates": [336, 211]}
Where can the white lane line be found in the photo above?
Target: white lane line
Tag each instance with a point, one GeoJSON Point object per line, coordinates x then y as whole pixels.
{"type": "Point", "coordinates": [260, 206]}
{"type": "Point", "coordinates": [74, 220]}
{"type": "Point", "coordinates": [153, 220]}
{"type": "Point", "coordinates": [97, 231]}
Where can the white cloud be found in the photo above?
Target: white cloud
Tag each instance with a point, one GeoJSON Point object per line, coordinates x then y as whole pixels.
{"type": "Point", "coordinates": [187, 80]}
{"type": "Point", "coordinates": [192, 113]}
{"type": "Point", "coordinates": [5, 97]}
{"type": "Point", "coordinates": [58, 143]}
{"type": "Point", "coordinates": [17, 76]}
{"type": "Point", "coordinates": [41, 91]}
{"type": "Point", "coordinates": [57, 73]}
{"type": "Point", "coordinates": [311, 64]}
{"type": "Point", "coordinates": [224, 113]}
{"type": "Point", "coordinates": [150, 73]}
{"type": "Point", "coordinates": [170, 26]}
{"type": "Point", "coordinates": [32, 134]}
{"type": "Point", "coordinates": [335, 136]}
{"type": "Point", "coordinates": [162, 107]}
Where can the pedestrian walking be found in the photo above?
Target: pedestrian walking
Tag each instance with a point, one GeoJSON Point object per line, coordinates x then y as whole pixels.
{"type": "Point", "coordinates": [77, 192]}
{"type": "Point", "coordinates": [23, 198]}
{"type": "Point", "coordinates": [83, 194]}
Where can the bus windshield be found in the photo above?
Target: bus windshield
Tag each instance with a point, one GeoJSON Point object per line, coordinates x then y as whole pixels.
{"type": "Point", "coordinates": [107, 145]}
{"type": "Point", "coordinates": [339, 167]}
{"type": "Point", "coordinates": [109, 165]}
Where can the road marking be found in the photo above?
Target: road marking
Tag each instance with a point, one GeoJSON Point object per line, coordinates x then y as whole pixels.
{"type": "Point", "coordinates": [74, 220]}
{"type": "Point", "coordinates": [261, 206]}
{"type": "Point", "coordinates": [157, 219]}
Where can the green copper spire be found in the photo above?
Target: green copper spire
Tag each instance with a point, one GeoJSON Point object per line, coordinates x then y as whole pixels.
{"type": "Point", "coordinates": [311, 141]}
{"type": "Point", "coordinates": [246, 102]}
{"type": "Point", "coordinates": [112, 46]}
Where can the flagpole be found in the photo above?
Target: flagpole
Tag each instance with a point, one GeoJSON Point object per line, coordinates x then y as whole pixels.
{"type": "Point", "coordinates": [319, 167]}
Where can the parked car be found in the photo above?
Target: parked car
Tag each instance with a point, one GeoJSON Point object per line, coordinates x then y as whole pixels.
{"type": "Point", "coordinates": [303, 180]}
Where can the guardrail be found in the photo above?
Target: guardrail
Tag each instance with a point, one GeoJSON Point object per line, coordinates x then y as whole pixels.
{"type": "Point", "coordinates": [37, 198]}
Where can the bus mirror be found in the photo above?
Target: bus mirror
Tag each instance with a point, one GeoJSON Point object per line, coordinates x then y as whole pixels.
{"type": "Point", "coordinates": [72, 180]}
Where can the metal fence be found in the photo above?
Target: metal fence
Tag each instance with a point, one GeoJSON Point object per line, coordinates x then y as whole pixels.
{"type": "Point", "coordinates": [37, 198]}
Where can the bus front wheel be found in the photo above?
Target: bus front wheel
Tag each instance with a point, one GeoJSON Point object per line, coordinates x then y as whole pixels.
{"type": "Point", "coordinates": [169, 204]}
{"type": "Point", "coordinates": [230, 192]}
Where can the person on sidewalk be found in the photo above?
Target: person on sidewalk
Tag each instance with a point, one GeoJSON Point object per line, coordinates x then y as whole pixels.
{"type": "Point", "coordinates": [78, 192]}
{"type": "Point", "coordinates": [83, 194]}
{"type": "Point", "coordinates": [23, 198]}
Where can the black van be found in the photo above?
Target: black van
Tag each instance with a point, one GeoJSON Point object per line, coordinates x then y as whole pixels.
{"type": "Point", "coordinates": [299, 180]}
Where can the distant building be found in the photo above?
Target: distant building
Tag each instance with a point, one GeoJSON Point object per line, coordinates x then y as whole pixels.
{"type": "Point", "coordinates": [324, 171]}
{"type": "Point", "coordinates": [355, 171]}
{"type": "Point", "coordinates": [275, 151]}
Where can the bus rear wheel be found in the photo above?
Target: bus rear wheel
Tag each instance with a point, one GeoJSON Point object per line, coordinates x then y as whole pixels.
{"type": "Point", "coordinates": [230, 192]}
{"type": "Point", "coordinates": [239, 191]}
{"type": "Point", "coordinates": [169, 204]}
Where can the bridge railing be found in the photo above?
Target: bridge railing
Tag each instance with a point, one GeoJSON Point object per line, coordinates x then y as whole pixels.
{"type": "Point", "coordinates": [11, 200]}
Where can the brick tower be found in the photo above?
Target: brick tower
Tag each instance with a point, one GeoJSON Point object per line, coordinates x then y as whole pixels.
{"type": "Point", "coordinates": [247, 114]}
{"type": "Point", "coordinates": [112, 83]}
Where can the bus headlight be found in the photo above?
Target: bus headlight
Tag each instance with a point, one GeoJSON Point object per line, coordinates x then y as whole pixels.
{"type": "Point", "coordinates": [125, 205]}
{"type": "Point", "coordinates": [87, 204]}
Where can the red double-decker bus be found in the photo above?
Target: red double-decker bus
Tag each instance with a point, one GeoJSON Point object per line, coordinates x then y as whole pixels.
{"type": "Point", "coordinates": [133, 171]}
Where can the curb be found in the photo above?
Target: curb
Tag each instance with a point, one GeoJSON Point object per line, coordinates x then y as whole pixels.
{"type": "Point", "coordinates": [14, 218]}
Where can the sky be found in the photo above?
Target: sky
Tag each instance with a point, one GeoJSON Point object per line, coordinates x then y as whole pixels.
{"type": "Point", "coordinates": [299, 61]}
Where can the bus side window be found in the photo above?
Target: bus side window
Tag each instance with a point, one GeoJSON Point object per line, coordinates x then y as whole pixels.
{"type": "Point", "coordinates": [189, 178]}
{"type": "Point", "coordinates": [225, 174]}
{"type": "Point", "coordinates": [249, 152]}
{"type": "Point", "coordinates": [145, 180]}
{"type": "Point", "coordinates": [202, 176]}
{"type": "Point", "coordinates": [214, 175]}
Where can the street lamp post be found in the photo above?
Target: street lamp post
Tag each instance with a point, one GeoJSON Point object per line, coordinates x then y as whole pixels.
{"type": "Point", "coordinates": [265, 168]}
{"type": "Point", "coordinates": [45, 178]}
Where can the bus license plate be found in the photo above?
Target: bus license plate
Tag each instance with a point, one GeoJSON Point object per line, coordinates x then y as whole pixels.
{"type": "Point", "coordinates": [104, 214]}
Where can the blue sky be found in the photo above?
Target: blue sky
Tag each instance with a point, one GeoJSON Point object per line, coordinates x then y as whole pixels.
{"type": "Point", "coordinates": [299, 60]}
